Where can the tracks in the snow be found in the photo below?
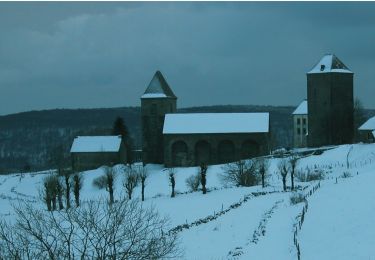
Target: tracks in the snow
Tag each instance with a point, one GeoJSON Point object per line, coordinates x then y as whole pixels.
{"type": "Point", "coordinates": [222, 212]}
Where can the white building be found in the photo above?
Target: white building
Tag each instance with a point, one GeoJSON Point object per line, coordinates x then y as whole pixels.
{"type": "Point", "coordinates": [300, 125]}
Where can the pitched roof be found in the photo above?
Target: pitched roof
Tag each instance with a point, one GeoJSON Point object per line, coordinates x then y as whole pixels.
{"type": "Point", "coordinates": [330, 63]}
{"type": "Point", "coordinates": [301, 109]}
{"type": "Point", "coordinates": [158, 88]}
{"type": "Point", "coordinates": [368, 125]}
{"type": "Point", "coordinates": [87, 144]}
{"type": "Point", "coordinates": [215, 123]}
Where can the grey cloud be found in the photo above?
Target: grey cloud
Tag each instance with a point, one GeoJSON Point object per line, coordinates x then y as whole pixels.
{"type": "Point", "coordinates": [104, 54]}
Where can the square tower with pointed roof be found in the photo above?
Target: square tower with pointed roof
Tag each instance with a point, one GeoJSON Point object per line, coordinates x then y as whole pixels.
{"type": "Point", "coordinates": [330, 103]}
{"type": "Point", "coordinates": [157, 100]}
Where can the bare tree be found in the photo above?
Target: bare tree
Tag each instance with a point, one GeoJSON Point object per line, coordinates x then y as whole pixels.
{"type": "Point", "coordinates": [66, 174]}
{"type": "Point", "coordinates": [263, 166]}
{"type": "Point", "coordinates": [142, 176]}
{"type": "Point", "coordinates": [293, 161]}
{"type": "Point", "coordinates": [110, 177]}
{"type": "Point", "coordinates": [203, 171]}
{"type": "Point", "coordinates": [60, 191]}
{"type": "Point", "coordinates": [193, 181]}
{"type": "Point", "coordinates": [347, 157]}
{"type": "Point", "coordinates": [130, 181]}
{"type": "Point", "coordinates": [95, 230]}
{"type": "Point", "coordinates": [77, 186]}
{"type": "Point", "coordinates": [172, 180]}
{"type": "Point", "coordinates": [47, 192]}
{"type": "Point", "coordinates": [283, 167]}
{"type": "Point", "coordinates": [240, 173]}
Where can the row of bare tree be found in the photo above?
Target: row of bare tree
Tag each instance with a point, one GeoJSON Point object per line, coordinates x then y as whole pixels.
{"type": "Point", "coordinates": [56, 187]}
{"type": "Point", "coordinates": [255, 171]}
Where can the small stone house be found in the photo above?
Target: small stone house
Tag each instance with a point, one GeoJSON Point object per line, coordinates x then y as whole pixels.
{"type": "Point", "coordinates": [90, 152]}
{"type": "Point", "coordinates": [367, 131]}
{"type": "Point", "coordinates": [300, 125]}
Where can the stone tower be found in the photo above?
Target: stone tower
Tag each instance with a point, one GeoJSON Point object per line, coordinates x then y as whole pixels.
{"type": "Point", "coordinates": [330, 103]}
{"type": "Point", "coordinates": [157, 101]}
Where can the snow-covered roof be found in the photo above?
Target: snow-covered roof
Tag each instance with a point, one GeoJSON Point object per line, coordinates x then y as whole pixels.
{"type": "Point", "coordinates": [368, 125]}
{"type": "Point", "coordinates": [87, 144]}
{"type": "Point", "coordinates": [301, 109]}
{"type": "Point", "coordinates": [158, 88]}
{"type": "Point", "coordinates": [154, 95]}
{"type": "Point", "coordinates": [330, 63]}
{"type": "Point", "coordinates": [215, 123]}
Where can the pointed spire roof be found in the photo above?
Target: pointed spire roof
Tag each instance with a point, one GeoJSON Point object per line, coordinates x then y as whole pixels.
{"type": "Point", "coordinates": [330, 63]}
{"type": "Point", "coordinates": [158, 88]}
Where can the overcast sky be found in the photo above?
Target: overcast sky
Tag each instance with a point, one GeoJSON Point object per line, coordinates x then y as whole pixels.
{"type": "Point", "coordinates": [86, 55]}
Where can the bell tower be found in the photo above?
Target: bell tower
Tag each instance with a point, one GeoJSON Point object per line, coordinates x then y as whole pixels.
{"type": "Point", "coordinates": [157, 100]}
{"type": "Point", "coordinates": [330, 103]}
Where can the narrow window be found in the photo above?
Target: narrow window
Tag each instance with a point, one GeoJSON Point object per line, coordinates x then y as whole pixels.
{"type": "Point", "coordinates": [298, 131]}
{"type": "Point", "coordinates": [304, 131]}
{"type": "Point", "coordinates": [304, 121]}
{"type": "Point", "coordinates": [298, 121]}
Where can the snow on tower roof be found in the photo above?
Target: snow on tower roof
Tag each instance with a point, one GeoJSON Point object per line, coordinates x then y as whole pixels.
{"type": "Point", "coordinates": [216, 123]}
{"type": "Point", "coordinates": [158, 88]}
{"type": "Point", "coordinates": [301, 109]}
{"type": "Point", "coordinates": [368, 125]}
{"type": "Point", "coordinates": [91, 144]}
{"type": "Point", "coordinates": [330, 63]}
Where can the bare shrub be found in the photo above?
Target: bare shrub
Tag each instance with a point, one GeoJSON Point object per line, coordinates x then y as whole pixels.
{"type": "Point", "coordinates": [95, 230]}
{"type": "Point", "coordinates": [193, 181]}
{"type": "Point", "coordinates": [346, 174]}
{"type": "Point", "coordinates": [240, 173]}
{"type": "Point", "coordinates": [100, 182]}
{"type": "Point", "coordinates": [297, 197]}
{"type": "Point", "coordinates": [310, 175]}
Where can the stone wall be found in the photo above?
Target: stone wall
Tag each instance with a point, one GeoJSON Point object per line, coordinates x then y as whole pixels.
{"type": "Point", "coordinates": [330, 108]}
{"type": "Point", "coordinates": [194, 149]}
{"type": "Point", "coordinates": [93, 160]}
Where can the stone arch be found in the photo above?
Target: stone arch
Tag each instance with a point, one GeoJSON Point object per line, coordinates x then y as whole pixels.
{"type": "Point", "coordinates": [249, 149]}
{"type": "Point", "coordinates": [226, 151]}
{"type": "Point", "coordinates": [202, 152]}
{"type": "Point", "coordinates": [179, 153]}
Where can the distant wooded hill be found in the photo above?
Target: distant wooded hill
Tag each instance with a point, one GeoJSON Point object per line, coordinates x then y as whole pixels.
{"type": "Point", "coordinates": [27, 140]}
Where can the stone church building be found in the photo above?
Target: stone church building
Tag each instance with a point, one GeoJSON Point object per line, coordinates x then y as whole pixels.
{"type": "Point", "coordinates": [177, 139]}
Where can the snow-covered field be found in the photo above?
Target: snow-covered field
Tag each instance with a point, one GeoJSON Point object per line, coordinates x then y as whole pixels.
{"type": "Point", "coordinates": [338, 224]}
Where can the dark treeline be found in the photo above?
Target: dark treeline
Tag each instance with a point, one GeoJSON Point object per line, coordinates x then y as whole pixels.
{"type": "Point", "coordinates": [28, 140]}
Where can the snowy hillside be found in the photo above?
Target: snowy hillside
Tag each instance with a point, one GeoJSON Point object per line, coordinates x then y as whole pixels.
{"type": "Point", "coordinates": [251, 222]}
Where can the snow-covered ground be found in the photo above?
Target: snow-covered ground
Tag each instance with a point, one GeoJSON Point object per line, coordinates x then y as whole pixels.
{"type": "Point", "coordinates": [246, 224]}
